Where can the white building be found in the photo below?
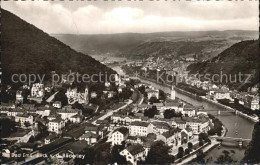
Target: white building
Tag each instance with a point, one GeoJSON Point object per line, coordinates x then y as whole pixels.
{"type": "Point", "coordinates": [139, 128]}
{"type": "Point", "coordinates": [57, 104]}
{"type": "Point", "coordinates": [19, 97]}
{"type": "Point", "coordinates": [74, 95]}
{"type": "Point", "coordinates": [134, 153]}
{"type": "Point", "coordinates": [37, 90]}
{"type": "Point", "coordinates": [56, 125]}
{"type": "Point", "coordinates": [119, 135]}
{"type": "Point", "coordinates": [67, 113]}
{"type": "Point", "coordinates": [216, 94]}
{"type": "Point", "coordinates": [198, 124]}
{"type": "Point", "coordinates": [152, 93]}
{"type": "Point", "coordinates": [173, 93]}
{"type": "Point", "coordinates": [24, 118]}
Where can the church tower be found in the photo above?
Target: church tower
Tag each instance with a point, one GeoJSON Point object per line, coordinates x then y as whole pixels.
{"type": "Point", "coordinates": [172, 93]}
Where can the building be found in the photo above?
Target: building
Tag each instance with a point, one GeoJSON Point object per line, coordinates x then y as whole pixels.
{"type": "Point", "coordinates": [67, 112]}
{"type": "Point", "coordinates": [189, 110]}
{"type": "Point", "coordinates": [75, 95]}
{"type": "Point", "coordinates": [139, 128]}
{"type": "Point", "coordinates": [177, 106]}
{"type": "Point", "coordinates": [20, 136]}
{"type": "Point", "coordinates": [37, 90]}
{"type": "Point", "coordinates": [56, 125]}
{"type": "Point", "coordinates": [119, 135]}
{"type": "Point", "coordinates": [51, 138]}
{"type": "Point", "coordinates": [24, 118]}
{"type": "Point", "coordinates": [171, 137]}
{"type": "Point", "coordinates": [252, 102]}
{"type": "Point", "coordinates": [134, 153]}
{"type": "Point", "coordinates": [198, 124]}
{"type": "Point", "coordinates": [15, 112]}
{"type": "Point", "coordinates": [152, 93]}
{"type": "Point", "coordinates": [173, 93]}
{"type": "Point", "coordinates": [160, 127]}
{"type": "Point", "coordinates": [19, 97]}
{"type": "Point", "coordinates": [57, 104]}
{"type": "Point", "coordinates": [89, 137]}
{"type": "Point", "coordinates": [76, 118]}
{"type": "Point", "coordinates": [217, 94]}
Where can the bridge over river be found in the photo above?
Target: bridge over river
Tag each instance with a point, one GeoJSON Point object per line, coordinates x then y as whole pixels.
{"type": "Point", "coordinates": [241, 142]}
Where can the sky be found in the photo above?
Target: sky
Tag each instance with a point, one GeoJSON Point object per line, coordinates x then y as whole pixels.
{"type": "Point", "coordinates": [105, 17]}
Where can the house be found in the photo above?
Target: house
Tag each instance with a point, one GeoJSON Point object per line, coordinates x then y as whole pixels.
{"type": "Point", "coordinates": [198, 124]}
{"type": "Point", "coordinates": [77, 147]}
{"type": "Point", "coordinates": [76, 118]}
{"type": "Point", "coordinates": [160, 127]}
{"type": "Point", "coordinates": [134, 153]}
{"type": "Point", "coordinates": [93, 94]}
{"type": "Point", "coordinates": [92, 128]}
{"type": "Point", "coordinates": [217, 94]}
{"type": "Point", "coordinates": [57, 104]}
{"type": "Point", "coordinates": [49, 139]}
{"type": "Point", "coordinates": [19, 97]}
{"type": "Point", "coordinates": [179, 123]}
{"type": "Point", "coordinates": [24, 118]}
{"type": "Point", "coordinates": [252, 102]}
{"type": "Point", "coordinates": [21, 136]}
{"type": "Point", "coordinates": [76, 95]}
{"type": "Point", "coordinates": [90, 137]}
{"type": "Point", "coordinates": [188, 131]}
{"type": "Point", "coordinates": [67, 112]}
{"type": "Point", "coordinates": [107, 84]}
{"type": "Point", "coordinates": [189, 110]}
{"type": "Point", "coordinates": [176, 105]}
{"type": "Point", "coordinates": [37, 90]}
{"type": "Point", "coordinates": [152, 93]}
{"type": "Point", "coordinates": [171, 137]}
{"type": "Point", "coordinates": [43, 111]}
{"type": "Point", "coordinates": [140, 128]}
{"type": "Point", "coordinates": [56, 125]}
{"type": "Point", "coordinates": [119, 135]}
{"type": "Point", "coordinates": [14, 112]}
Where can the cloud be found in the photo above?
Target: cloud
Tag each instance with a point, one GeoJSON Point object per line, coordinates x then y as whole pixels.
{"type": "Point", "coordinates": [94, 17]}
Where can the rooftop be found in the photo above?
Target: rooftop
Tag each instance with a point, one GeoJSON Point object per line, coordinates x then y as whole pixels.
{"type": "Point", "coordinates": [122, 130]}
{"type": "Point", "coordinates": [135, 149]}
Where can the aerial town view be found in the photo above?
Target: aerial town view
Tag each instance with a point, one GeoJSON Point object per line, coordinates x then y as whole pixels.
{"type": "Point", "coordinates": [130, 82]}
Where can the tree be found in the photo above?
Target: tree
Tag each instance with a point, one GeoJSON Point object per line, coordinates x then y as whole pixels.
{"type": "Point", "coordinates": [8, 127]}
{"type": "Point", "coordinates": [201, 143]}
{"type": "Point", "coordinates": [252, 153]}
{"type": "Point", "coordinates": [60, 96]}
{"type": "Point", "coordinates": [162, 95]}
{"type": "Point", "coordinates": [31, 139]}
{"type": "Point", "coordinates": [27, 124]}
{"type": "Point", "coordinates": [153, 100]}
{"type": "Point", "coordinates": [180, 152]}
{"type": "Point", "coordinates": [115, 155]}
{"type": "Point", "coordinates": [159, 154]}
{"type": "Point", "coordinates": [200, 157]}
{"type": "Point", "coordinates": [187, 151]}
{"type": "Point", "coordinates": [170, 113]}
{"type": "Point", "coordinates": [224, 158]}
{"type": "Point", "coordinates": [150, 112]}
{"type": "Point", "coordinates": [190, 145]}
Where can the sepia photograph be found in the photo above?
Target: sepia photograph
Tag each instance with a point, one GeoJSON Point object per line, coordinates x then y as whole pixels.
{"type": "Point", "coordinates": [136, 82]}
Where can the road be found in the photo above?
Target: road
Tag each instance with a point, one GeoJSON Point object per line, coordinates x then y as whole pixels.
{"type": "Point", "coordinates": [190, 158]}
{"type": "Point", "coordinates": [51, 97]}
{"type": "Point", "coordinates": [112, 111]}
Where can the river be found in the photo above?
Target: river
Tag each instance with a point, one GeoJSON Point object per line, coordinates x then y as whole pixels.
{"type": "Point", "coordinates": [237, 126]}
